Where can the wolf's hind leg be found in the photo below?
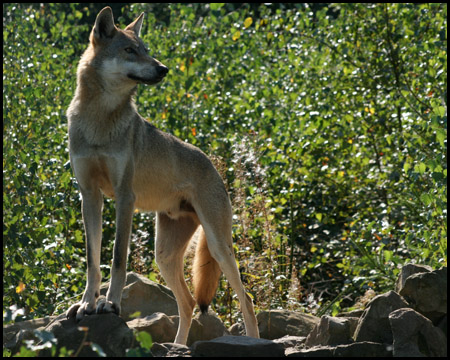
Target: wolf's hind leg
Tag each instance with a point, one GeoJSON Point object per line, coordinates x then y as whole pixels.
{"type": "Point", "coordinates": [172, 238]}
{"type": "Point", "coordinates": [217, 227]}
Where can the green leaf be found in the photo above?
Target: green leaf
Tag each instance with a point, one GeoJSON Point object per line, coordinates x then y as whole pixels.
{"type": "Point", "coordinates": [420, 168]}
{"type": "Point", "coordinates": [426, 199]}
{"type": "Point", "coordinates": [441, 136]}
{"type": "Point", "coordinates": [216, 6]}
{"type": "Point", "coordinates": [145, 339]}
{"type": "Point", "coordinates": [406, 167]}
{"type": "Point", "coordinates": [387, 255]}
{"type": "Point", "coordinates": [439, 110]}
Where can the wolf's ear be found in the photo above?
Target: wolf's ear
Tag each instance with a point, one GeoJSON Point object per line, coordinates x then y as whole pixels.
{"type": "Point", "coordinates": [136, 25]}
{"type": "Point", "coordinates": [104, 25]}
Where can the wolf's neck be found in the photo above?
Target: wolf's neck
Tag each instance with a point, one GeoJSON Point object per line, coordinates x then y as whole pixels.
{"type": "Point", "coordinates": [103, 93]}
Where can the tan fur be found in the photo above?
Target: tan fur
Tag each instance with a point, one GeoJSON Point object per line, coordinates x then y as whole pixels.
{"type": "Point", "coordinates": [115, 152]}
{"type": "Point", "coordinates": [206, 272]}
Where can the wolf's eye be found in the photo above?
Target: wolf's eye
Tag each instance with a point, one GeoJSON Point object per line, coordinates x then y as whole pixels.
{"type": "Point", "coordinates": [130, 50]}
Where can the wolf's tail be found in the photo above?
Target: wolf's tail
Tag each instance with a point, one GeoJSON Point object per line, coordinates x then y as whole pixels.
{"type": "Point", "coordinates": [206, 274]}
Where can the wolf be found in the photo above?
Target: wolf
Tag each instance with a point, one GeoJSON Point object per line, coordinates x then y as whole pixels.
{"type": "Point", "coordinates": [115, 152]}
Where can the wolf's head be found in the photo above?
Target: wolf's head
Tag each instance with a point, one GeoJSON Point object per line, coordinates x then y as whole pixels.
{"type": "Point", "coordinates": [120, 55]}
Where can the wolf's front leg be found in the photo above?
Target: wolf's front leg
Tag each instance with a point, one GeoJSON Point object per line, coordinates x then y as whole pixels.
{"type": "Point", "coordinates": [92, 204]}
{"type": "Point", "coordinates": [124, 217]}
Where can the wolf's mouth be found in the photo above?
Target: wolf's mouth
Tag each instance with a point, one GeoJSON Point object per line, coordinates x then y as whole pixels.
{"type": "Point", "coordinates": [151, 81]}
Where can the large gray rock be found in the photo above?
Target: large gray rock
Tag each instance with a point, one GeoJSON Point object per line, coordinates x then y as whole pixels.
{"type": "Point", "coordinates": [170, 350]}
{"type": "Point", "coordinates": [109, 331]}
{"type": "Point", "coordinates": [275, 324]}
{"type": "Point", "coordinates": [143, 295]}
{"type": "Point", "coordinates": [161, 327]}
{"type": "Point", "coordinates": [374, 323]}
{"type": "Point", "coordinates": [332, 331]}
{"type": "Point", "coordinates": [237, 346]}
{"type": "Point", "coordinates": [406, 271]}
{"type": "Point", "coordinates": [427, 293]}
{"type": "Point", "coordinates": [289, 341]}
{"type": "Point", "coordinates": [204, 327]}
{"type": "Point", "coordinates": [415, 335]}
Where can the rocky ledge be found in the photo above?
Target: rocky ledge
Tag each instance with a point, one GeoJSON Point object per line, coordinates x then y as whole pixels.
{"type": "Point", "coordinates": [410, 320]}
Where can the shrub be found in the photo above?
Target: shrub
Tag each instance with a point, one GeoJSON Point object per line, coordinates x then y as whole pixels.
{"type": "Point", "coordinates": [330, 123]}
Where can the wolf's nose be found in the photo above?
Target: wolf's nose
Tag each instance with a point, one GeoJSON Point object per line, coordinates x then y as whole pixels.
{"type": "Point", "coordinates": [162, 70]}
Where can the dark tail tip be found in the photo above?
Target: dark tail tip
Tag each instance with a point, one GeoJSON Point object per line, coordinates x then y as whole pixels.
{"type": "Point", "coordinates": [203, 308]}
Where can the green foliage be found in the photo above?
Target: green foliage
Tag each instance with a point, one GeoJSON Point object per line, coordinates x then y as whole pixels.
{"type": "Point", "coordinates": [330, 123]}
{"type": "Point", "coordinates": [145, 344]}
{"type": "Point", "coordinates": [41, 227]}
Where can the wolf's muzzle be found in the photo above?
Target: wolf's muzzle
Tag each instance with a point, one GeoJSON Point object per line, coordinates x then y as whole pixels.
{"type": "Point", "coordinates": [160, 71]}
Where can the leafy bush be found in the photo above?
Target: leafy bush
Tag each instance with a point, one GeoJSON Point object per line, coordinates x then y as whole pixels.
{"type": "Point", "coordinates": [330, 123]}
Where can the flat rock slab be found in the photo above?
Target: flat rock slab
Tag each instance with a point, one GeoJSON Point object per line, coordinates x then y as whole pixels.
{"type": "Point", "coordinates": [237, 346]}
{"type": "Point", "coordinates": [360, 349]}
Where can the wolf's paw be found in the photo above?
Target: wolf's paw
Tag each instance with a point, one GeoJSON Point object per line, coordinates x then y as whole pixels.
{"type": "Point", "coordinates": [105, 306]}
{"type": "Point", "coordinates": [80, 309]}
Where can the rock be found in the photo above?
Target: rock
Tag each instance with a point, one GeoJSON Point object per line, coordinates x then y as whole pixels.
{"type": "Point", "coordinates": [414, 335]}
{"type": "Point", "coordinates": [237, 329]}
{"type": "Point", "coordinates": [316, 351]}
{"type": "Point", "coordinates": [170, 350]}
{"type": "Point", "coordinates": [359, 349]}
{"type": "Point", "coordinates": [14, 334]}
{"type": "Point", "coordinates": [363, 349]}
{"type": "Point", "coordinates": [143, 295]}
{"type": "Point", "coordinates": [408, 270]}
{"type": "Point", "coordinates": [427, 293]}
{"type": "Point", "coordinates": [161, 327]}
{"type": "Point", "coordinates": [205, 327]}
{"type": "Point", "coordinates": [237, 346]}
{"type": "Point", "coordinates": [374, 324]}
{"type": "Point", "coordinates": [275, 324]}
{"type": "Point", "coordinates": [289, 341]}
{"type": "Point", "coordinates": [388, 326]}
{"type": "Point", "coordinates": [357, 313]}
{"type": "Point", "coordinates": [109, 331]}
{"type": "Point", "coordinates": [332, 331]}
